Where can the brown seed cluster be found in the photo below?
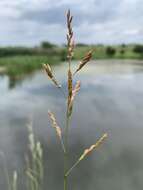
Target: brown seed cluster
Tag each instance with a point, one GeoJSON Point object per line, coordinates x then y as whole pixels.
{"type": "Point", "coordinates": [55, 125]}
{"type": "Point", "coordinates": [85, 60]}
{"type": "Point", "coordinates": [70, 86]}
{"type": "Point", "coordinates": [70, 40]}
{"type": "Point", "coordinates": [93, 147]}
{"type": "Point", "coordinates": [49, 72]}
{"type": "Point", "coordinates": [74, 92]}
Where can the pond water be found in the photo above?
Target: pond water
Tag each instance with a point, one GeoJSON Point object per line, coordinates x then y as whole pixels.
{"type": "Point", "coordinates": [110, 100]}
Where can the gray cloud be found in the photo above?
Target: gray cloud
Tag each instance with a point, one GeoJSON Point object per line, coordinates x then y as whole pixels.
{"type": "Point", "coordinates": [96, 13]}
{"type": "Point", "coordinates": [26, 22]}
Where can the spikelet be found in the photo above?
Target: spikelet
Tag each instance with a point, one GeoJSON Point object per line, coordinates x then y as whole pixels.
{"type": "Point", "coordinates": [39, 149]}
{"type": "Point", "coordinates": [85, 60]}
{"type": "Point", "coordinates": [31, 142]}
{"type": "Point", "coordinates": [96, 145]}
{"type": "Point", "coordinates": [69, 86]}
{"type": "Point", "coordinates": [49, 72]}
{"type": "Point", "coordinates": [74, 92]}
{"type": "Point", "coordinates": [69, 21]}
{"type": "Point", "coordinates": [31, 137]}
{"type": "Point", "coordinates": [76, 89]}
{"type": "Point", "coordinates": [70, 41]}
{"type": "Point", "coordinates": [55, 125]}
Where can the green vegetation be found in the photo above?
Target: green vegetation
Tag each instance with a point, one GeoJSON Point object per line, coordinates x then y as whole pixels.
{"type": "Point", "coordinates": [47, 45]}
{"type": "Point", "coordinates": [17, 66]}
{"type": "Point", "coordinates": [18, 61]}
{"type": "Point", "coordinates": [109, 52]}
{"type": "Point", "coordinates": [138, 49]}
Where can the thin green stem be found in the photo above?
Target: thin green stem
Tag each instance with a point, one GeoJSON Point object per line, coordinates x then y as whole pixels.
{"type": "Point", "coordinates": [69, 171]}
{"type": "Point", "coordinates": [67, 130]}
{"type": "Point", "coordinates": [66, 151]}
{"type": "Point", "coordinates": [65, 169]}
{"type": "Point", "coordinates": [63, 146]}
{"type": "Point", "coordinates": [65, 182]}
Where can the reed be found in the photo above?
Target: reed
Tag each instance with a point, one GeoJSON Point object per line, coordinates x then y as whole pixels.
{"type": "Point", "coordinates": [70, 96]}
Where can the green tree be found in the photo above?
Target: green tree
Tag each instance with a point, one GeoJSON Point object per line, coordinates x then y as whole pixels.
{"type": "Point", "coordinates": [47, 45]}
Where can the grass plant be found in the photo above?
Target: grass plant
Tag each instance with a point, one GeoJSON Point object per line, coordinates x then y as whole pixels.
{"type": "Point", "coordinates": [70, 96]}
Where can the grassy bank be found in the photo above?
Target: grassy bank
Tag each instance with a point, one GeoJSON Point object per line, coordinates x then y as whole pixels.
{"type": "Point", "coordinates": [110, 52]}
{"type": "Point", "coordinates": [16, 66]}
{"type": "Point", "coordinates": [16, 62]}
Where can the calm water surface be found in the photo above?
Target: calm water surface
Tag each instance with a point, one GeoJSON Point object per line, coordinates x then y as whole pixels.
{"type": "Point", "coordinates": [110, 100]}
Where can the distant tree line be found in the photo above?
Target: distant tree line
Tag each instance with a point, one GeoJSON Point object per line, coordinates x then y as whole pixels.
{"type": "Point", "coordinates": [48, 48]}
{"type": "Point", "coordinates": [45, 48]}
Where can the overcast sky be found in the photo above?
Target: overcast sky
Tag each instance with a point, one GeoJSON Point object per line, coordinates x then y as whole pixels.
{"type": "Point", "coordinates": [28, 22]}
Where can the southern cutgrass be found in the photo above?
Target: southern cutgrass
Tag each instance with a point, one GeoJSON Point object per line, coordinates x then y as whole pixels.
{"type": "Point", "coordinates": [72, 91]}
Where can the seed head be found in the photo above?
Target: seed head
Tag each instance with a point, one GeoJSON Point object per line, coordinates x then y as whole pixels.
{"type": "Point", "coordinates": [85, 60]}
{"type": "Point", "coordinates": [55, 125]}
{"type": "Point", "coordinates": [70, 41]}
{"type": "Point", "coordinates": [92, 147]}
{"type": "Point", "coordinates": [49, 72]}
{"type": "Point", "coordinates": [69, 86]}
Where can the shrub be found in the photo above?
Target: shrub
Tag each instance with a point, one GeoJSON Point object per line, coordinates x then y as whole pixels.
{"type": "Point", "coordinates": [110, 51]}
{"type": "Point", "coordinates": [138, 49]}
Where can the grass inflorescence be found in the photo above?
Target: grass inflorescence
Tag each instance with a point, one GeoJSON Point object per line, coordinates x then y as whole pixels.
{"type": "Point", "coordinates": [72, 91]}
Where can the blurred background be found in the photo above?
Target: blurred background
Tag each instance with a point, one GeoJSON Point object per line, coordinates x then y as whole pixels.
{"type": "Point", "coordinates": [110, 100]}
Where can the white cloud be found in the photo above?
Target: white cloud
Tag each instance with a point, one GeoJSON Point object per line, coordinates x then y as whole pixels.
{"type": "Point", "coordinates": [27, 22]}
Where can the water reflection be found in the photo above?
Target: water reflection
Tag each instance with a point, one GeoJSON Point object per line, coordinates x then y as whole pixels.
{"type": "Point", "coordinates": [110, 100]}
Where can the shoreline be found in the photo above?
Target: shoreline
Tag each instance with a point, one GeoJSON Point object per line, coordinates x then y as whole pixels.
{"type": "Point", "coordinates": [18, 66]}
